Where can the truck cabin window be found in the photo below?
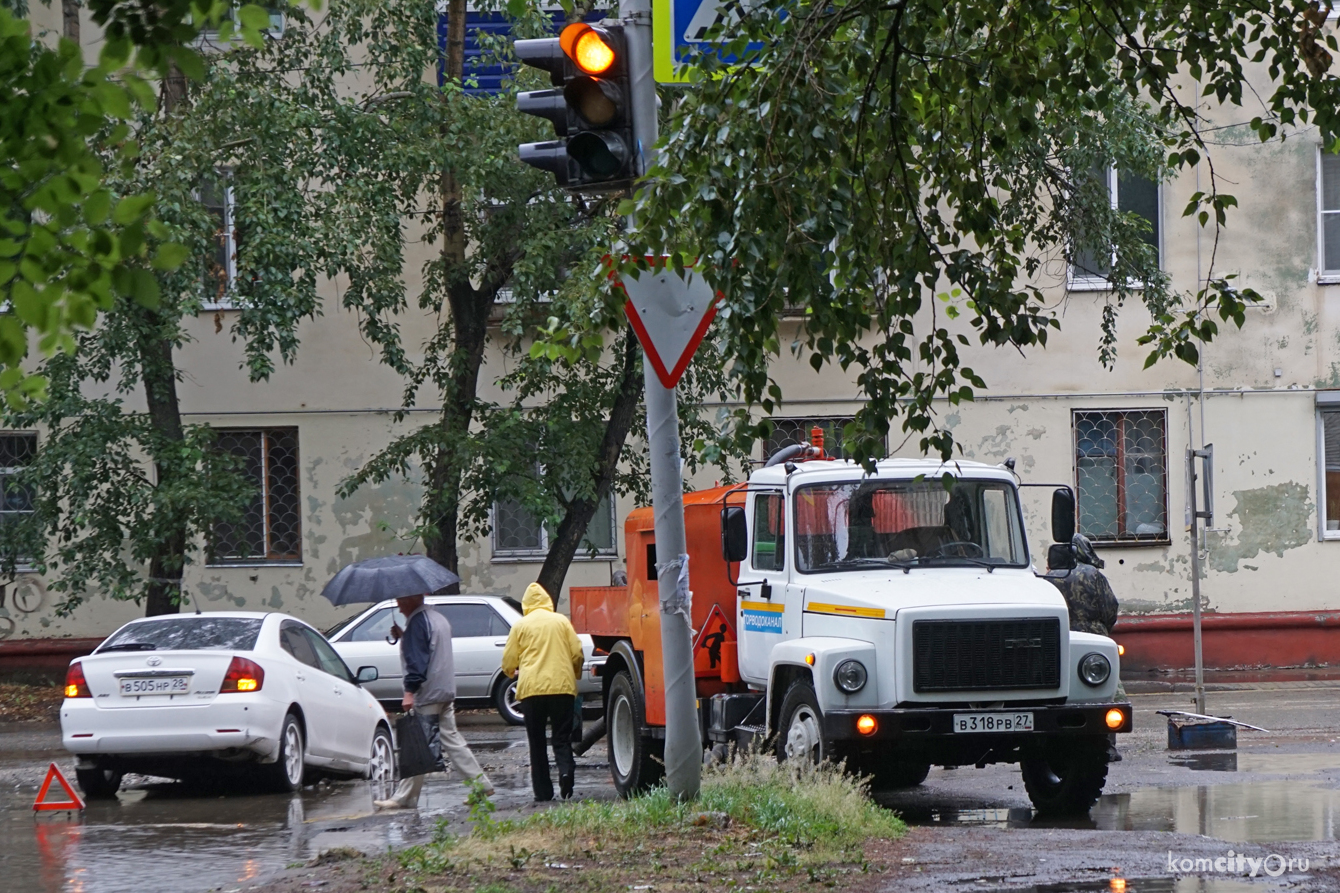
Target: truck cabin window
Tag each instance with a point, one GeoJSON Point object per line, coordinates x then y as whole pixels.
{"type": "Point", "coordinates": [905, 524]}
{"type": "Point", "coordinates": [769, 546]}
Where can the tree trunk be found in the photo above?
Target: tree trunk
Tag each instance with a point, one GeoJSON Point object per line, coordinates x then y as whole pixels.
{"type": "Point", "coordinates": [158, 372]}
{"type": "Point", "coordinates": [568, 539]}
{"type": "Point", "coordinates": [469, 319]}
{"type": "Point", "coordinates": [70, 19]}
{"type": "Point", "coordinates": [160, 392]}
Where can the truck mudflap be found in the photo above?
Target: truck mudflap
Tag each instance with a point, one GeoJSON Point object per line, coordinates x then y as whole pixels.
{"type": "Point", "coordinates": [927, 723]}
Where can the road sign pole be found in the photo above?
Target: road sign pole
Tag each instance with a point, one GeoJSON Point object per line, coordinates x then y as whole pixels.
{"type": "Point", "coordinates": [683, 746]}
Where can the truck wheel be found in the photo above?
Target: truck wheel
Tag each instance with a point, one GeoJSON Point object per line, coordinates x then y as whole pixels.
{"type": "Point", "coordinates": [1066, 780]}
{"type": "Point", "coordinates": [891, 773]}
{"type": "Point", "coordinates": [633, 756]}
{"type": "Point", "coordinates": [800, 726]}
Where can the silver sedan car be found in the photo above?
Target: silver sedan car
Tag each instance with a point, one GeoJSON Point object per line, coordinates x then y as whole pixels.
{"type": "Point", "coordinates": [479, 628]}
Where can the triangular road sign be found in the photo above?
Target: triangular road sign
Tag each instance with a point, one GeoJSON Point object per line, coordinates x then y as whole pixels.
{"type": "Point", "coordinates": [670, 315]}
{"type": "Point", "coordinates": [42, 804]}
{"type": "Point", "coordinates": [716, 631]}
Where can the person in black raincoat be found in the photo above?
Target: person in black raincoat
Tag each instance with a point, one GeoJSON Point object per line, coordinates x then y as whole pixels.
{"type": "Point", "coordinates": [1088, 595]}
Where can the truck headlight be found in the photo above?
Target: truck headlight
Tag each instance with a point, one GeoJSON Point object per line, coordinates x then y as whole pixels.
{"type": "Point", "coordinates": [1094, 669]}
{"type": "Point", "coordinates": [850, 676]}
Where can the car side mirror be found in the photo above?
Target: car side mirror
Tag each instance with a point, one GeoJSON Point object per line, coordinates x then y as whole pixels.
{"type": "Point", "coordinates": [1060, 557]}
{"type": "Point", "coordinates": [1063, 515]}
{"type": "Point", "coordinates": [734, 534]}
{"type": "Point", "coordinates": [367, 674]}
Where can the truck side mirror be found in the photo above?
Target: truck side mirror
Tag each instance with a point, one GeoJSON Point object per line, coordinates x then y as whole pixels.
{"type": "Point", "coordinates": [1063, 515]}
{"type": "Point", "coordinates": [1060, 557]}
{"type": "Point", "coordinates": [734, 534]}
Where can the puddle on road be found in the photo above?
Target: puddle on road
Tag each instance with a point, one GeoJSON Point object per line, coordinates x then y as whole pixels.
{"type": "Point", "coordinates": [172, 839]}
{"type": "Point", "coordinates": [1262, 812]}
{"type": "Point", "coordinates": [1146, 885]}
{"type": "Point", "coordinates": [1269, 763]}
{"type": "Point", "coordinates": [1219, 761]}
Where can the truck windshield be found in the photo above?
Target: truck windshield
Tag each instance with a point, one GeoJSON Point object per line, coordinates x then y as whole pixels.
{"type": "Point", "coordinates": [904, 524]}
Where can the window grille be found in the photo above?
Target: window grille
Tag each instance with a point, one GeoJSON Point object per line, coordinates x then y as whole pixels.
{"type": "Point", "coordinates": [271, 529]}
{"type": "Point", "coordinates": [1330, 444]}
{"type": "Point", "coordinates": [1130, 193]}
{"type": "Point", "coordinates": [17, 450]}
{"type": "Point", "coordinates": [788, 431]}
{"type": "Point", "coordinates": [519, 534]}
{"type": "Point", "coordinates": [1121, 471]}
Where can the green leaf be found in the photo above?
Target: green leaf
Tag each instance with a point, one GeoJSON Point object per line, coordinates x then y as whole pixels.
{"type": "Point", "coordinates": [170, 256]}
{"type": "Point", "coordinates": [132, 208]}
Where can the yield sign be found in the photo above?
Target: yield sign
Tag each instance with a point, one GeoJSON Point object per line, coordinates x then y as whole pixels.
{"type": "Point", "coordinates": [670, 315]}
{"type": "Point", "coordinates": [42, 803]}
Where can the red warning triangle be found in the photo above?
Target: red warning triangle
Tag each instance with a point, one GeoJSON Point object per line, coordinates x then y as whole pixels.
{"type": "Point", "coordinates": [41, 803]}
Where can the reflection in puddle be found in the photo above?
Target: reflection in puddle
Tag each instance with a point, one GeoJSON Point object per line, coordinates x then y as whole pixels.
{"type": "Point", "coordinates": [1272, 763]}
{"type": "Point", "coordinates": [1220, 761]}
{"type": "Point", "coordinates": [1263, 812]}
{"type": "Point", "coordinates": [1148, 885]}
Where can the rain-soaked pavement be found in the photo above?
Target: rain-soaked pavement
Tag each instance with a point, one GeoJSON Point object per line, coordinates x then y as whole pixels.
{"type": "Point", "coordinates": [1264, 817]}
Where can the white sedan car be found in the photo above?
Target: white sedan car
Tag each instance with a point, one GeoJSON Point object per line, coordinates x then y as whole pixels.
{"type": "Point", "coordinates": [176, 695]}
{"type": "Point", "coordinates": [479, 628]}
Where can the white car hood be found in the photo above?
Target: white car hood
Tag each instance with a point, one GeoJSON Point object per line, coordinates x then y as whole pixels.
{"type": "Point", "coordinates": [892, 590]}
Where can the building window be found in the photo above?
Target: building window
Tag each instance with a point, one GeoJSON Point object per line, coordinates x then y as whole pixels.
{"type": "Point", "coordinates": [221, 263]}
{"type": "Point", "coordinates": [519, 534]}
{"type": "Point", "coordinates": [1330, 479]}
{"type": "Point", "coordinates": [270, 529]}
{"type": "Point", "coordinates": [1130, 193]}
{"type": "Point", "coordinates": [790, 431]}
{"type": "Point", "coordinates": [1121, 469]}
{"type": "Point", "coordinates": [17, 450]}
{"type": "Point", "coordinates": [1328, 216]}
{"type": "Point", "coordinates": [210, 35]}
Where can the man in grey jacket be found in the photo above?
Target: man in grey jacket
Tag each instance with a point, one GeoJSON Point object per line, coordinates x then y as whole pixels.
{"type": "Point", "coordinates": [430, 691]}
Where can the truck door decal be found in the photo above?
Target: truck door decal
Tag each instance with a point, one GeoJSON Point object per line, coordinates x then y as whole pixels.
{"type": "Point", "coordinates": [716, 632]}
{"type": "Point", "coordinates": [845, 610]}
{"type": "Point", "coordinates": [762, 617]}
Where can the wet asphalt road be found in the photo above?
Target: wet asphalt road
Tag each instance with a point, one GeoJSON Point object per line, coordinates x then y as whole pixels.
{"type": "Point", "coordinates": [973, 829]}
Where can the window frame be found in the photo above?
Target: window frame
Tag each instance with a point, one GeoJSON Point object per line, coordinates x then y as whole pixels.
{"type": "Point", "coordinates": [522, 556]}
{"type": "Point", "coordinates": [224, 183]}
{"type": "Point", "coordinates": [211, 560]}
{"type": "Point", "coordinates": [1323, 408]}
{"type": "Point", "coordinates": [1083, 283]}
{"type": "Point", "coordinates": [1324, 276]}
{"type": "Point", "coordinates": [24, 565]}
{"type": "Point", "coordinates": [1129, 539]}
{"type": "Point", "coordinates": [780, 544]}
{"type": "Point", "coordinates": [806, 423]}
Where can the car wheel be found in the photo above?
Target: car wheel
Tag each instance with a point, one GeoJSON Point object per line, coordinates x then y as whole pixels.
{"type": "Point", "coordinates": [800, 726]}
{"type": "Point", "coordinates": [98, 784]}
{"type": "Point", "coordinates": [634, 757]}
{"type": "Point", "coordinates": [504, 698]}
{"type": "Point", "coordinates": [1066, 782]}
{"type": "Point", "coordinates": [381, 763]}
{"type": "Point", "coordinates": [286, 773]}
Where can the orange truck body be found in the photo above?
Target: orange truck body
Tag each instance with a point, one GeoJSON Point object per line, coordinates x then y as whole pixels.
{"type": "Point", "coordinates": [632, 612]}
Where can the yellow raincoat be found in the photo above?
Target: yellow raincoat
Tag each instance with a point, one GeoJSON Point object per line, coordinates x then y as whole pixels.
{"type": "Point", "coordinates": [544, 647]}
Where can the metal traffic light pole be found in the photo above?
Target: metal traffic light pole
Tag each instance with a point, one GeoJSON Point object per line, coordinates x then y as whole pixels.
{"type": "Point", "coordinates": [683, 744]}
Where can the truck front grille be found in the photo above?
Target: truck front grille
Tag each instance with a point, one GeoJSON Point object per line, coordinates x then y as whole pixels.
{"type": "Point", "coordinates": [977, 655]}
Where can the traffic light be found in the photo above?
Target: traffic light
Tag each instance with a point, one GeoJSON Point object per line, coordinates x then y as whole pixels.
{"type": "Point", "coordinates": [590, 107]}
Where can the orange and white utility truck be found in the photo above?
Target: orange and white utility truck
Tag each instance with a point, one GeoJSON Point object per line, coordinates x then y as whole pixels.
{"type": "Point", "coordinates": [891, 620]}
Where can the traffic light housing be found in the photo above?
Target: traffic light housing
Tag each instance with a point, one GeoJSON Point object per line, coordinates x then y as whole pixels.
{"type": "Point", "coordinates": [590, 107]}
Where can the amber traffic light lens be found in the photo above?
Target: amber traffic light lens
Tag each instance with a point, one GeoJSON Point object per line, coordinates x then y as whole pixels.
{"type": "Point", "coordinates": [567, 40]}
{"type": "Point", "coordinates": [1114, 718]}
{"type": "Point", "coordinates": [866, 724]}
{"type": "Point", "coordinates": [591, 53]}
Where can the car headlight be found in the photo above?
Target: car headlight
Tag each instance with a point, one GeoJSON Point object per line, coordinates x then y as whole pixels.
{"type": "Point", "coordinates": [850, 676]}
{"type": "Point", "coordinates": [1094, 669]}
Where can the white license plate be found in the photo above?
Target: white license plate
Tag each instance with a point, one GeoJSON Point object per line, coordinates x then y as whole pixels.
{"type": "Point", "coordinates": [157, 685]}
{"type": "Point", "coordinates": [993, 722]}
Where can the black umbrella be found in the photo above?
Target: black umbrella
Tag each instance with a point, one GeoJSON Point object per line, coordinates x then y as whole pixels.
{"type": "Point", "coordinates": [395, 576]}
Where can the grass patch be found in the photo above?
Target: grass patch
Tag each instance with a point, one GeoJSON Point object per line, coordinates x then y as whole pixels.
{"type": "Point", "coordinates": [755, 822]}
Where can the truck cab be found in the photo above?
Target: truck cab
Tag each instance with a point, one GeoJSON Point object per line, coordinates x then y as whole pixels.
{"type": "Point", "coordinates": [889, 620]}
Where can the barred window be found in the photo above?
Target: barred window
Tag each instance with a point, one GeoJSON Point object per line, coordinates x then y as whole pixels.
{"type": "Point", "coordinates": [789, 431]}
{"type": "Point", "coordinates": [270, 529]}
{"type": "Point", "coordinates": [519, 534]}
{"type": "Point", "coordinates": [1121, 469]}
{"type": "Point", "coordinates": [17, 450]}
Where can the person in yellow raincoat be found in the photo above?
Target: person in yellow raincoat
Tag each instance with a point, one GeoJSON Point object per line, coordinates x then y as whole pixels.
{"type": "Point", "coordinates": [544, 648]}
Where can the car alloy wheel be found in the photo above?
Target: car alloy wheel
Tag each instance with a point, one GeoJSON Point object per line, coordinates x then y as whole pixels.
{"type": "Point", "coordinates": [293, 755]}
{"type": "Point", "coordinates": [381, 765]}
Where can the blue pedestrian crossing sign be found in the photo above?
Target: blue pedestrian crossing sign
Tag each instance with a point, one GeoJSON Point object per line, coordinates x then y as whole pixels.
{"type": "Point", "coordinates": [681, 26]}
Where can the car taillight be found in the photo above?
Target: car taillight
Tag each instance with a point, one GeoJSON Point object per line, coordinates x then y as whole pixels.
{"type": "Point", "coordinates": [75, 684]}
{"type": "Point", "coordinates": [243, 675]}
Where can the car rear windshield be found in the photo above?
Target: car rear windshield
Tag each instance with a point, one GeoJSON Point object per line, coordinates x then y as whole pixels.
{"type": "Point", "coordinates": [186, 634]}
